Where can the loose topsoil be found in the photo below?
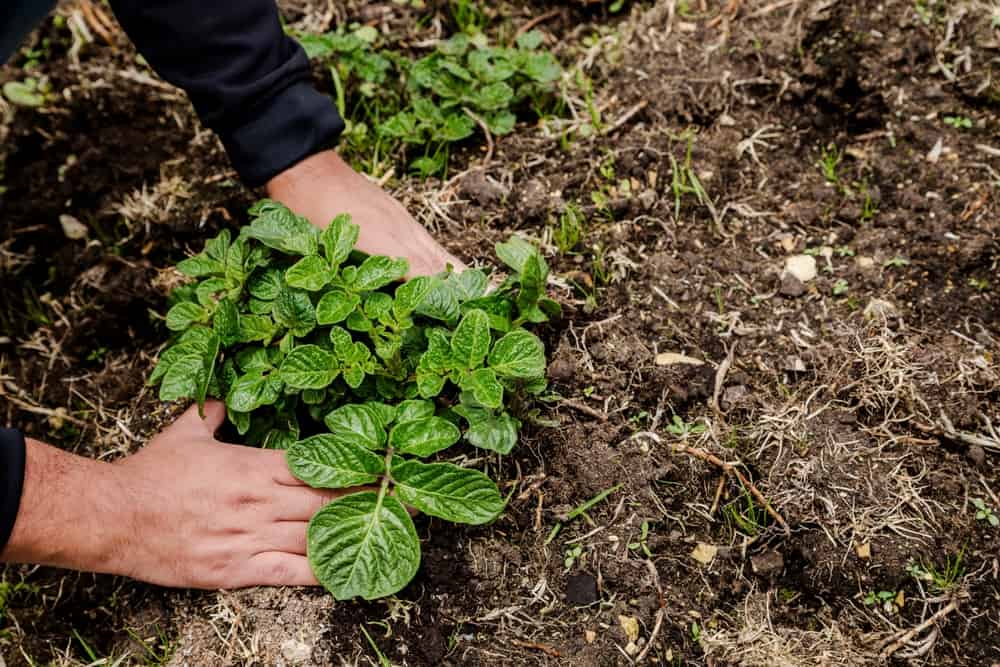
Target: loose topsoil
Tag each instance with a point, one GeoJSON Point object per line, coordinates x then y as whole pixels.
{"type": "Point", "coordinates": [860, 402]}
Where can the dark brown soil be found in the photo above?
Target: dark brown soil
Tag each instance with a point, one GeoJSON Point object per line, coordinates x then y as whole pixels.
{"type": "Point", "coordinates": [847, 399]}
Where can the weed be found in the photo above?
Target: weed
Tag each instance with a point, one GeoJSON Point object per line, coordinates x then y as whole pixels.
{"type": "Point", "coordinates": [981, 284]}
{"type": "Point", "coordinates": [896, 263]}
{"type": "Point", "coordinates": [840, 288]}
{"type": "Point", "coordinates": [984, 513]}
{"type": "Point", "coordinates": [468, 16]}
{"type": "Point", "coordinates": [30, 92]}
{"type": "Point", "coordinates": [286, 324]}
{"type": "Point", "coordinates": [640, 543]}
{"type": "Point", "coordinates": [382, 660]}
{"type": "Point", "coordinates": [941, 579]}
{"type": "Point", "coordinates": [889, 601]}
{"type": "Point", "coordinates": [745, 515]}
{"type": "Point", "coordinates": [569, 233]}
{"type": "Point", "coordinates": [829, 162]}
{"type": "Point", "coordinates": [683, 180]}
{"type": "Point", "coordinates": [958, 122]}
{"type": "Point", "coordinates": [573, 553]}
{"type": "Point", "coordinates": [682, 429]}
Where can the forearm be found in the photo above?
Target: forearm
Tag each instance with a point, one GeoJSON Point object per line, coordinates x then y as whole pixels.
{"type": "Point", "coordinates": [72, 512]}
{"type": "Point", "coordinates": [248, 81]}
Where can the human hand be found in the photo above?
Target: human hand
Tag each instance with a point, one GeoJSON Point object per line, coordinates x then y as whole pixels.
{"type": "Point", "coordinates": [323, 186]}
{"type": "Point", "coordinates": [205, 514]}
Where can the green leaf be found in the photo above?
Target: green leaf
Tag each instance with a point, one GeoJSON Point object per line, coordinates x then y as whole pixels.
{"type": "Point", "coordinates": [309, 367]}
{"type": "Point", "coordinates": [485, 387]}
{"type": "Point", "coordinates": [497, 434]}
{"type": "Point", "coordinates": [181, 378]}
{"type": "Point", "coordinates": [493, 97]}
{"type": "Point", "coordinates": [363, 545]}
{"type": "Point", "coordinates": [429, 383]}
{"type": "Point", "coordinates": [277, 227]}
{"type": "Point", "coordinates": [266, 285]}
{"type": "Point", "coordinates": [24, 93]}
{"type": "Point", "coordinates": [411, 294]}
{"type": "Point", "coordinates": [456, 45]}
{"type": "Point", "coordinates": [185, 314]}
{"type": "Point", "coordinates": [343, 344]}
{"type": "Point", "coordinates": [501, 123]}
{"type": "Point", "coordinates": [440, 303]}
{"type": "Point", "coordinates": [294, 310]}
{"type": "Point", "coordinates": [412, 410]}
{"type": "Point", "coordinates": [377, 306]}
{"type": "Point", "coordinates": [471, 341]}
{"type": "Point", "coordinates": [378, 271]}
{"type": "Point", "coordinates": [519, 354]}
{"type": "Point", "coordinates": [385, 413]}
{"type": "Point", "coordinates": [456, 126]}
{"type": "Point", "coordinates": [424, 437]}
{"type": "Point", "coordinates": [226, 322]}
{"type": "Point", "coordinates": [256, 328]}
{"type": "Point", "coordinates": [335, 306]}
{"type": "Point", "coordinates": [530, 40]}
{"type": "Point", "coordinates": [251, 391]}
{"type": "Point", "coordinates": [207, 290]}
{"type": "Point", "coordinates": [326, 462]}
{"type": "Point", "coordinates": [339, 238]}
{"type": "Point", "coordinates": [515, 252]}
{"type": "Point", "coordinates": [236, 263]}
{"type": "Point", "coordinates": [541, 67]}
{"type": "Point", "coordinates": [358, 424]}
{"type": "Point", "coordinates": [310, 273]}
{"type": "Point", "coordinates": [200, 266]}
{"type": "Point", "coordinates": [253, 359]}
{"type": "Point", "coordinates": [446, 491]}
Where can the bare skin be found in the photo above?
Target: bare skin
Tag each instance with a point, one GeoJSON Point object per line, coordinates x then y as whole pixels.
{"type": "Point", "coordinates": [324, 186]}
{"type": "Point", "coordinates": [187, 510]}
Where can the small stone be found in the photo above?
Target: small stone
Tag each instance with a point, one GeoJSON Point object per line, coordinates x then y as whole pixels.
{"type": "Point", "coordinates": [671, 358]}
{"type": "Point", "coordinates": [788, 243]}
{"type": "Point", "coordinates": [880, 309]}
{"type": "Point", "coordinates": [794, 364]}
{"type": "Point", "coordinates": [631, 648]}
{"type": "Point", "coordinates": [581, 589]}
{"type": "Point", "coordinates": [589, 636]}
{"type": "Point", "coordinates": [296, 652]}
{"type": "Point", "coordinates": [865, 263]}
{"type": "Point", "coordinates": [630, 626]}
{"type": "Point", "coordinates": [647, 199]}
{"type": "Point", "coordinates": [791, 286]}
{"type": "Point", "coordinates": [864, 550]}
{"type": "Point", "coordinates": [767, 564]}
{"type": "Point", "coordinates": [73, 228]}
{"type": "Point", "coordinates": [802, 267]}
{"type": "Point", "coordinates": [704, 553]}
{"type": "Point", "coordinates": [977, 455]}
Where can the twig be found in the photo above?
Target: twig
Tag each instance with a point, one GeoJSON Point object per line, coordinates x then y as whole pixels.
{"type": "Point", "coordinates": [660, 613]}
{"type": "Point", "coordinates": [544, 648]}
{"type": "Point", "coordinates": [718, 495]}
{"type": "Point", "coordinates": [626, 117]}
{"type": "Point", "coordinates": [486, 131]}
{"type": "Point", "coordinates": [729, 468]}
{"type": "Point", "coordinates": [947, 431]}
{"type": "Point", "coordinates": [720, 377]}
{"type": "Point", "coordinates": [585, 409]}
{"type": "Point", "coordinates": [913, 632]}
{"type": "Point", "coordinates": [535, 22]}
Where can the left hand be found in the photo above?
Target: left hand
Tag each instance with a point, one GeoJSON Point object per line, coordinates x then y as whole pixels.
{"type": "Point", "coordinates": [323, 186]}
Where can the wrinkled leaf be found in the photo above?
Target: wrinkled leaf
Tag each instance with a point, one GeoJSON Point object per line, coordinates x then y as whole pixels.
{"type": "Point", "coordinates": [471, 341]}
{"type": "Point", "coordinates": [519, 354]}
{"type": "Point", "coordinates": [277, 227]}
{"type": "Point", "coordinates": [310, 273]}
{"type": "Point", "coordinates": [294, 310]}
{"type": "Point", "coordinates": [446, 491]}
{"type": "Point", "coordinates": [185, 314]}
{"type": "Point", "coordinates": [335, 306]}
{"type": "Point", "coordinates": [363, 545]}
{"type": "Point", "coordinates": [412, 410]}
{"type": "Point", "coordinates": [309, 367]}
{"type": "Point", "coordinates": [326, 462]}
{"type": "Point", "coordinates": [338, 239]}
{"type": "Point", "coordinates": [358, 424]}
{"type": "Point", "coordinates": [424, 437]}
{"type": "Point", "coordinates": [378, 271]}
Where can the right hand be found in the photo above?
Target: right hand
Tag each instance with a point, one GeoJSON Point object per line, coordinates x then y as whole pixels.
{"type": "Point", "coordinates": [205, 514]}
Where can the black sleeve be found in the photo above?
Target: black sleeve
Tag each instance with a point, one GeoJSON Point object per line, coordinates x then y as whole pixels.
{"type": "Point", "coordinates": [248, 81]}
{"type": "Point", "coordinates": [12, 454]}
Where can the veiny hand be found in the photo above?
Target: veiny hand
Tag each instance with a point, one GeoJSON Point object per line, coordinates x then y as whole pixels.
{"type": "Point", "coordinates": [323, 186]}
{"type": "Point", "coordinates": [206, 514]}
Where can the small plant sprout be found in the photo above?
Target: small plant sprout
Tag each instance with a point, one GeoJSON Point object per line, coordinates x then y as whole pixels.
{"type": "Point", "coordinates": [980, 284]}
{"type": "Point", "coordinates": [640, 543]}
{"type": "Point", "coordinates": [299, 334]}
{"type": "Point", "coordinates": [682, 429]}
{"type": "Point", "coordinates": [958, 122]}
{"type": "Point", "coordinates": [829, 161]}
{"type": "Point", "coordinates": [840, 288]}
{"type": "Point", "coordinates": [896, 263]}
{"type": "Point", "coordinates": [984, 513]}
{"type": "Point", "coordinates": [890, 601]}
{"type": "Point", "coordinates": [573, 554]}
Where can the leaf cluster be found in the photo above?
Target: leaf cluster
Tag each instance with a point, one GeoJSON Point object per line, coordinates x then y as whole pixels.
{"type": "Point", "coordinates": [321, 350]}
{"type": "Point", "coordinates": [398, 103]}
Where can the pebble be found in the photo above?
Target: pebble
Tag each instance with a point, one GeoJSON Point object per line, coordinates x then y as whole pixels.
{"type": "Point", "coordinates": [791, 286]}
{"type": "Point", "coordinates": [880, 309]}
{"type": "Point", "coordinates": [296, 652]}
{"type": "Point", "coordinates": [73, 228]}
{"type": "Point", "coordinates": [802, 267]}
{"type": "Point", "coordinates": [977, 455]}
{"type": "Point", "coordinates": [768, 563]}
{"type": "Point", "coordinates": [704, 553]}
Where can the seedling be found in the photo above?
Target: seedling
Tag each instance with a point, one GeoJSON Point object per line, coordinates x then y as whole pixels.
{"type": "Point", "coordinates": [682, 429]}
{"type": "Point", "coordinates": [981, 284]}
{"type": "Point", "coordinates": [640, 544]}
{"type": "Point", "coordinates": [829, 161]}
{"type": "Point", "coordinates": [958, 122]}
{"type": "Point", "coordinates": [683, 179]}
{"type": "Point", "coordinates": [840, 288]}
{"type": "Point", "coordinates": [896, 263]}
{"type": "Point", "coordinates": [287, 324]}
{"type": "Point", "coordinates": [984, 513]}
{"type": "Point", "coordinates": [573, 553]}
{"type": "Point", "coordinates": [570, 230]}
{"type": "Point", "coordinates": [886, 599]}
{"type": "Point", "coordinates": [941, 579]}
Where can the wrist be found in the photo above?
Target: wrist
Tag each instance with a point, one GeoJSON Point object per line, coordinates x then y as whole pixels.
{"type": "Point", "coordinates": [72, 513]}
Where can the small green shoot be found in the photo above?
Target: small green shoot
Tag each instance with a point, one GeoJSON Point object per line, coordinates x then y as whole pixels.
{"type": "Point", "coordinates": [896, 263]}
{"type": "Point", "coordinates": [682, 429]}
{"type": "Point", "coordinates": [958, 122]}
{"type": "Point", "coordinates": [640, 543]}
{"type": "Point", "coordinates": [840, 288]}
{"type": "Point", "coordinates": [984, 513]}
{"type": "Point", "coordinates": [829, 161]}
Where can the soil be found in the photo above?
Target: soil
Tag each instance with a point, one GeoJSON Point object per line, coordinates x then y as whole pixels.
{"type": "Point", "coordinates": [860, 403]}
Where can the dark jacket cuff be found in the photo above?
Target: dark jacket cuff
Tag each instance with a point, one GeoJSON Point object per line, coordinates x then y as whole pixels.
{"type": "Point", "coordinates": [12, 456]}
{"type": "Point", "coordinates": [298, 122]}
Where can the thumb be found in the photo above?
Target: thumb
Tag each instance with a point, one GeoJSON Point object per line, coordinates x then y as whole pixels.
{"type": "Point", "coordinates": [214, 415]}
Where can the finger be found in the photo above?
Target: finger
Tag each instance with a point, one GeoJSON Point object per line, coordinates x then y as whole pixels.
{"type": "Point", "coordinates": [192, 421]}
{"type": "Point", "coordinates": [287, 537]}
{"type": "Point", "coordinates": [215, 414]}
{"type": "Point", "coordinates": [300, 503]}
{"type": "Point", "coordinates": [274, 568]}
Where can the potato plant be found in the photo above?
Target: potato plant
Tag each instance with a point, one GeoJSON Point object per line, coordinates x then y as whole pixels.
{"type": "Point", "coordinates": [322, 351]}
